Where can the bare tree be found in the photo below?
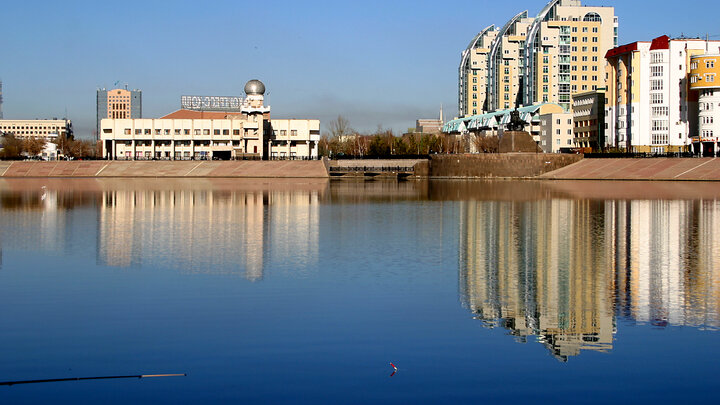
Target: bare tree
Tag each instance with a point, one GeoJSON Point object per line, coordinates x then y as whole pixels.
{"type": "Point", "coordinates": [487, 144]}
{"type": "Point", "coordinates": [339, 127]}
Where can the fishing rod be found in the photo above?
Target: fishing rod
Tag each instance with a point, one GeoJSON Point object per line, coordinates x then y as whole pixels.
{"type": "Point", "coordinates": [90, 378]}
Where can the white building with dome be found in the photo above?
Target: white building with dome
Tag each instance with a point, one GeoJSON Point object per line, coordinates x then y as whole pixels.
{"type": "Point", "coordinates": [212, 128]}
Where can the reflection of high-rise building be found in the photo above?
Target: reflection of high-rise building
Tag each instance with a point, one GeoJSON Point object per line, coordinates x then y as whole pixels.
{"type": "Point", "coordinates": [530, 267]}
{"type": "Point", "coordinates": [666, 264]}
{"type": "Point", "coordinates": [207, 231]}
{"type": "Point", "coordinates": [562, 269]}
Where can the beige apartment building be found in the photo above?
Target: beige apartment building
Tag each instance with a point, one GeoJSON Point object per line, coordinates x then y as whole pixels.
{"type": "Point", "coordinates": [545, 59]}
{"type": "Point", "coordinates": [209, 128]}
{"type": "Point", "coordinates": [473, 73]}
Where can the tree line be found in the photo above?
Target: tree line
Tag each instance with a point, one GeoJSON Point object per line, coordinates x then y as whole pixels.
{"type": "Point", "coordinates": [342, 141]}
{"type": "Point", "coordinates": [14, 148]}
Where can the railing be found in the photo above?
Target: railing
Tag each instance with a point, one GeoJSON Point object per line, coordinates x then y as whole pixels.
{"type": "Point", "coordinates": [294, 158]}
{"type": "Point", "coordinates": [382, 169]}
{"type": "Point", "coordinates": [384, 157]}
{"type": "Point", "coordinates": [620, 155]}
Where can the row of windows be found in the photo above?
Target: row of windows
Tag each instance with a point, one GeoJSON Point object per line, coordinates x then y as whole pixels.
{"type": "Point", "coordinates": [282, 132]}
{"type": "Point", "coordinates": [707, 133]}
{"type": "Point", "coordinates": [118, 106]}
{"type": "Point", "coordinates": [584, 68]}
{"type": "Point", "coordinates": [709, 64]}
{"type": "Point", "coordinates": [709, 78]}
{"type": "Point", "coordinates": [148, 131]}
{"type": "Point", "coordinates": [9, 127]}
{"type": "Point", "coordinates": [584, 78]}
{"type": "Point", "coordinates": [659, 111]}
{"type": "Point", "coordinates": [180, 143]}
{"type": "Point", "coordinates": [199, 155]}
{"type": "Point", "coordinates": [584, 39]}
{"type": "Point", "coordinates": [31, 132]}
{"type": "Point", "coordinates": [584, 29]}
{"type": "Point", "coordinates": [656, 85]}
{"type": "Point", "coordinates": [707, 120]}
{"type": "Point", "coordinates": [584, 49]}
{"type": "Point", "coordinates": [585, 123]}
{"type": "Point", "coordinates": [660, 139]}
{"type": "Point", "coordinates": [659, 125]}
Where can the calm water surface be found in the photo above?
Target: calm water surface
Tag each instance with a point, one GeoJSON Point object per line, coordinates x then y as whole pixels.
{"type": "Point", "coordinates": [304, 292]}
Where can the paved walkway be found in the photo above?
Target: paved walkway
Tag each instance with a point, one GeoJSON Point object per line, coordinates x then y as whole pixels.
{"type": "Point", "coordinates": [99, 168]}
{"type": "Point", "coordinates": [707, 169]}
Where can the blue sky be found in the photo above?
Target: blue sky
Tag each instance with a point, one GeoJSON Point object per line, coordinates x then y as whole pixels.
{"type": "Point", "coordinates": [378, 63]}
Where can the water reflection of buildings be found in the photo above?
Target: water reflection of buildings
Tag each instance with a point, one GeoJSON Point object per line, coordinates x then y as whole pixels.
{"type": "Point", "coordinates": [208, 231]}
{"type": "Point", "coordinates": [521, 267]}
{"type": "Point", "coordinates": [560, 270]}
{"type": "Point", "coordinates": [38, 219]}
{"type": "Point", "coordinates": [667, 261]}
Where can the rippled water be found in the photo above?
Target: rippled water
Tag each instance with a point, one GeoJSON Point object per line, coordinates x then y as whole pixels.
{"type": "Point", "coordinates": [305, 292]}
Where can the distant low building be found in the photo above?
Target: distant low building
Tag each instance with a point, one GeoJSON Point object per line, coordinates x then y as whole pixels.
{"type": "Point", "coordinates": [45, 129]}
{"type": "Point", "coordinates": [428, 126]}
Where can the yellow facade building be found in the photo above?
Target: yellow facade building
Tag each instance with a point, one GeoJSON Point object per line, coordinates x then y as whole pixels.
{"type": "Point", "coordinates": [705, 80]}
{"type": "Point", "coordinates": [473, 73]}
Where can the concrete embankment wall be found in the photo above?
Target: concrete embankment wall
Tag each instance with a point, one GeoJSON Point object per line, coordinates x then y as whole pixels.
{"type": "Point", "coordinates": [188, 169]}
{"type": "Point", "coordinates": [512, 165]}
{"type": "Point", "coordinates": [693, 169]}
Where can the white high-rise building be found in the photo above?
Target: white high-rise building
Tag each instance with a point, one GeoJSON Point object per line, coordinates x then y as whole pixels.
{"type": "Point", "coordinates": [651, 107]}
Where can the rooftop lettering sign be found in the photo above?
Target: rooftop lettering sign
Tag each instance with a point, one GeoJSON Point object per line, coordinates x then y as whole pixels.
{"type": "Point", "coordinates": [211, 103]}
